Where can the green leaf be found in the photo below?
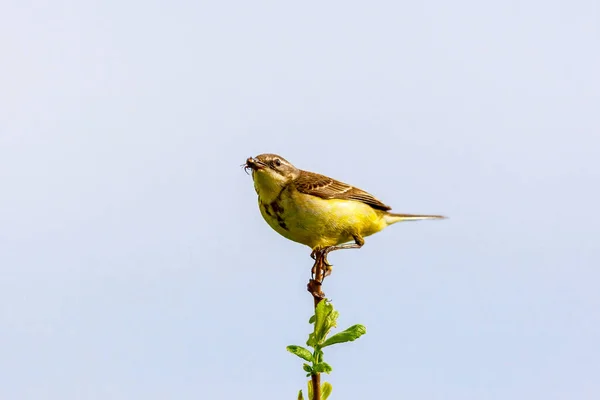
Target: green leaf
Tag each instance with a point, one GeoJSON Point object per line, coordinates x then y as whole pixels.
{"type": "Point", "coordinates": [349, 335]}
{"type": "Point", "coordinates": [312, 321]}
{"type": "Point", "coordinates": [326, 389]}
{"type": "Point", "coordinates": [322, 367]}
{"type": "Point", "coordinates": [310, 390]}
{"type": "Point", "coordinates": [300, 397]}
{"type": "Point", "coordinates": [325, 319]}
{"type": "Point", "coordinates": [317, 355]}
{"type": "Point", "coordinates": [307, 368]}
{"type": "Point", "coordinates": [300, 352]}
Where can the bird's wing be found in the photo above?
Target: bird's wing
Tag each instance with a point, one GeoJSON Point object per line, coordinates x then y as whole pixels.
{"type": "Point", "coordinates": [328, 188]}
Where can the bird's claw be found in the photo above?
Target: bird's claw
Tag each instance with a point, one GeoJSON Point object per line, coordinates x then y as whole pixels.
{"type": "Point", "coordinates": [313, 255]}
{"type": "Point", "coordinates": [321, 268]}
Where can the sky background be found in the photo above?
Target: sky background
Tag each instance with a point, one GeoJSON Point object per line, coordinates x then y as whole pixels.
{"type": "Point", "coordinates": [134, 263]}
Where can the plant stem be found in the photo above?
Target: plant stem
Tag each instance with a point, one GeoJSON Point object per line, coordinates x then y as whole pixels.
{"type": "Point", "coordinates": [316, 384]}
{"type": "Point", "coordinates": [314, 287]}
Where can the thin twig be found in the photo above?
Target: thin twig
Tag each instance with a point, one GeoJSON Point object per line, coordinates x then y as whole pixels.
{"type": "Point", "coordinates": [314, 287]}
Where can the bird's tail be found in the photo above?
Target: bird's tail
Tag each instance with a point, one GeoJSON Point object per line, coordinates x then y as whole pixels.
{"type": "Point", "coordinates": [391, 218]}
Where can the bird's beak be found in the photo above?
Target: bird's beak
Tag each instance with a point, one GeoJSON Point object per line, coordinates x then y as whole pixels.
{"type": "Point", "coordinates": [254, 164]}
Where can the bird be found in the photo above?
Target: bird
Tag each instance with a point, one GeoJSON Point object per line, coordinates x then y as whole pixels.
{"type": "Point", "coordinates": [318, 211]}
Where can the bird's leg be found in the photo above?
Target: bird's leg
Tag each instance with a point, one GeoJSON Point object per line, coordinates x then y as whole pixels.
{"type": "Point", "coordinates": [358, 243]}
{"type": "Point", "coordinates": [319, 267]}
{"type": "Point", "coordinates": [314, 254]}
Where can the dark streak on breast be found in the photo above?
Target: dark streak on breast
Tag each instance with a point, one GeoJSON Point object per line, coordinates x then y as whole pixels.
{"type": "Point", "coordinates": [282, 223]}
{"type": "Point", "coordinates": [278, 210]}
{"type": "Point", "coordinates": [276, 207]}
{"type": "Point", "coordinates": [266, 208]}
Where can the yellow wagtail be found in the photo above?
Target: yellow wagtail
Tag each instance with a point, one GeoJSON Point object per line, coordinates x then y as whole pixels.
{"type": "Point", "coordinates": [315, 210]}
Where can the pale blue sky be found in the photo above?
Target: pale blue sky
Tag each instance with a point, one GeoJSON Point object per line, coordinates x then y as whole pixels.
{"type": "Point", "coordinates": [134, 263]}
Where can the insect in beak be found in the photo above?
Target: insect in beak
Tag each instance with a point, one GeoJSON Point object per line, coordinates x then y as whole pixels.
{"type": "Point", "coordinates": [252, 164]}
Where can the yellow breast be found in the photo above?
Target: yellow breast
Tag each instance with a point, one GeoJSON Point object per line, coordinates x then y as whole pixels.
{"type": "Point", "coordinates": [317, 222]}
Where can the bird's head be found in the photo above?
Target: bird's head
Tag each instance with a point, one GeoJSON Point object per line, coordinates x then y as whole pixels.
{"type": "Point", "coordinates": [271, 173]}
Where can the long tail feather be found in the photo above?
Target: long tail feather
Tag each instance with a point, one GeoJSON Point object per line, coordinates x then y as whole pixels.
{"type": "Point", "coordinates": [391, 218]}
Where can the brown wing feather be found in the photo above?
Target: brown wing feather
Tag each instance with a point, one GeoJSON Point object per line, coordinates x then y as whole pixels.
{"type": "Point", "coordinates": [328, 188]}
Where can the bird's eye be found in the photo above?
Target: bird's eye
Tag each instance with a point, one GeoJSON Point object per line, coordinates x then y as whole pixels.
{"type": "Point", "coordinates": [277, 162]}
